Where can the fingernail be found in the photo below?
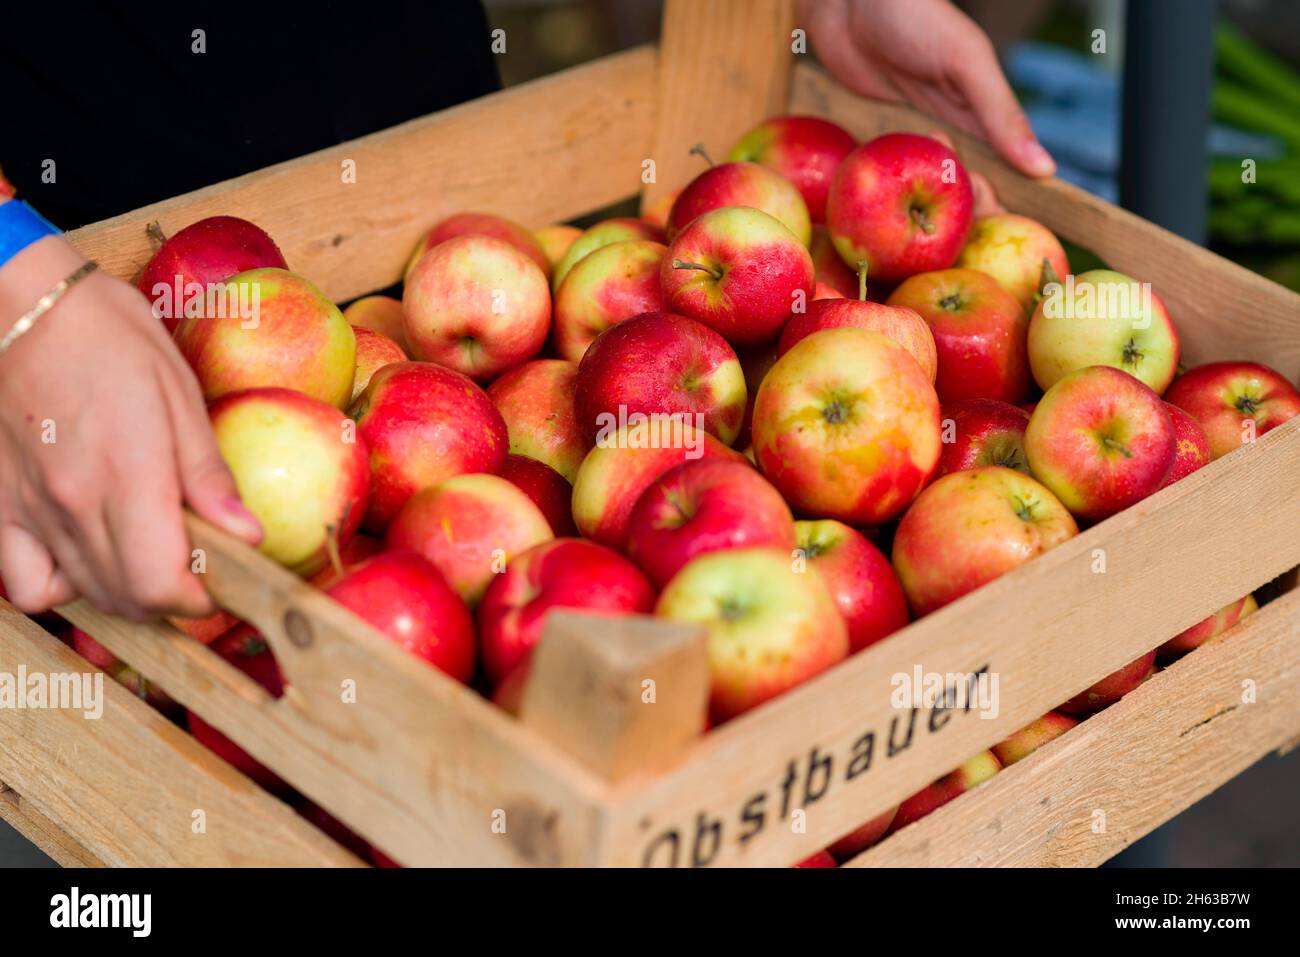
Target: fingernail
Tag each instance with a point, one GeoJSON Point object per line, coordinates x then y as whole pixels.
{"type": "Point", "coordinates": [1037, 159]}
{"type": "Point", "coordinates": [236, 509]}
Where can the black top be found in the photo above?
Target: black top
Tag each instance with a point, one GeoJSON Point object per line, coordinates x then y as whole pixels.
{"type": "Point", "coordinates": [114, 93]}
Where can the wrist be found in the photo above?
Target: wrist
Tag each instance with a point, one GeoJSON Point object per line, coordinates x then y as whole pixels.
{"type": "Point", "coordinates": [32, 273]}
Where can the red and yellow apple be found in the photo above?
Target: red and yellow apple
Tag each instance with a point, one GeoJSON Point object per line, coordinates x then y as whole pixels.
{"type": "Point", "coordinates": [905, 326]}
{"type": "Point", "coordinates": [536, 400]}
{"type": "Point", "coordinates": [1020, 253]}
{"type": "Point", "coordinates": [742, 184]}
{"type": "Point", "coordinates": [549, 490]}
{"type": "Point", "coordinates": [555, 241]}
{"type": "Point", "coordinates": [1191, 445]}
{"type": "Point", "coordinates": [1207, 629]}
{"type": "Point", "coordinates": [1112, 687]}
{"type": "Point", "coordinates": [862, 837]}
{"type": "Point", "coordinates": [604, 233]}
{"type": "Point", "coordinates": [481, 224]}
{"type": "Point", "coordinates": [1032, 737]}
{"type": "Point", "coordinates": [859, 577]}
{"type": "Point", "coordinates": [382, 314]}
{"type": "Point", "coordinates": [604, 288]}
{"type": "Point", "coordinates": [1235, 402]}
{"type": "Point", "coordinates": [806, 150]}
{"type": "Point", "coordinates": [374, 351]}
{"type": "Point", "coordinates": [979, 432]}
{"type": "Point", "coordinates": [971, 774]}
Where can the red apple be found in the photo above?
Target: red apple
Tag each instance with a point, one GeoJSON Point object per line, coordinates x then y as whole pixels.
{"type": "Point", "coordinates": [604, 288]}
{"type": "Point", "coordinates": [246, 650]}
{"type": "Point", "coordinates": [1032, 737]}
{"type": "Point", "coordinates": [481, 224]}
{"type": "Point", "coordinates": [122, 673]}
{"type": "Point", "coordinates": [604, 233]}
{"type": "Point", "coordinates": [469, 526]}
{"type": "Point", "coordinates": [656, 214]}
{"type": "Point", "coordinates": [349, 556]}
{"type": "Point", "coordinates": [664, 363]}
{"type": "Point", "coordinates": [1235, 401]}
{"type": "Point", "coordinates": [549, 490]}
{"type": "Point", "coordinates": [270, 328]}
{"type": "Point", "coordinates": [820, 859]}
{"type": "Point", "coordinates": [382, 314]}
{"type": "Point", "coordinates": [952, 785]}
{"type": "Point", "coordinates": [1112, 687]}
{"type": "Point", "coordinates": [1101, 441]}
{"type": "Point", "coordinates": [1192, 447]}
{"type": "Point", "coordinates": [623, 464]}
{"type": "Point", "coordinates": [1020, 253]}
{"type": "Point", "coordinates": [1207, 629]}
{"type": "Point", "coordinates": [300, 469]}
{"type": "Point", "coordinates": [738, 271]}
{"type": "Point", "coordinates": [971, 527]}
{"type": "Point", "coordinates": [904, 326]}
{"type": "Point", "coordinates": [423, 424]}
{"type": "Point", "coordinates": [374, 351]}
{"type": "Point", "coordinates": [407, 600]}
{"type": "Point", "coordinates": [979, 334]}
{"type": "Point", "coordinates": [846, 426]}
{"type": "Point", "coordinates": [862, 837]}
{"type": "Point", "coordinates": [1103, 318]}
{"type": "Point", "coordinates": [204, 630]}
{"type": "Point", "coordinates": [705, 506]}
{"type": "Point", "coordinates": [565, 573]}
{"type": "Point", "coordinates": [901, 204]}
{"type": "Point", "coordinates": [829, 270]}
{"type": "Point", "coordinates": [536, 402]}
{"type": "Point", "coordinates": [858, 576]}
{"type": "Point", "coordinates": [203, 254]}
{"type": "Point", "coordinates": [742, 184]}
{"type": "Point", "coordinates": [979, 432]}
{"type": "Point", "coordinates": [806, 150]}
{"type": "Point", "coordinates": [769, 628]}
{"type": "Point", "coordinates": [477, 305]}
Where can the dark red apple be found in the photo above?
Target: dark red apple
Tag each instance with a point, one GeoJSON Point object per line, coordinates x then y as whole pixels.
{"type": "Point", "coordinates": [549, 490]}
{"type": "Point", "coordinates": [978, 432]}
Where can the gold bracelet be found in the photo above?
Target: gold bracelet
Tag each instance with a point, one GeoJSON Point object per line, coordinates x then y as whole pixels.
{"type": "Point", "coordinates": [45, 303]}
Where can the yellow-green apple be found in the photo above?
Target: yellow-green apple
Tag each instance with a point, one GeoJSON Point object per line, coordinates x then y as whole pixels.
{"type": "Point", "coordinates": [979, 334]}
{"type": "Point", "coordinates": [269, 327]}
{"type": "Point", "coordinates": [1102, 318]}
{"type": "Point", "coordinates": [1032, 737]}
{"type": "Point", "coordinates": [1191, 446]}
{"type": "Point", "coordinates": [1021, 253]}
{"type": "Point", "coordinates": [768, 626]}
{"type": "Point", "coordinates": [555, 241]}
{"type": "Point", "coordinates": [549, 490]}
{"type": "Point", "coordinates": [846, 426]}
{"type": "Point", "coordinates": [820, 859]}
{"type": "Point", "coordinates": [374, 351]}
{"type": "Point", "coordinates": [902, 204]}
{"type": "Point", "coordinates": [829, 269]}
{"type": "Point", "coordinates": [300, 468]}
{"type": "Point", "coordinates": [622, 465]}
{"type": "Point", "coordinates": [971, 774]}
{"type": "Point", "coordinates": [536, 401]}
{"type": "Point", "coordinates": [117, 669]}
{"type": "Point", "coordinates": [980, 432]}
{"type": "Point", "coordinates": [1101, 441]}
{"type": "Point", "coordinates": [738, 271]}
{"type": "Point", "coordinates": [201, 255]}
{"type": "Point", "coordinates": [742, 184]}
{"type": "Point", "coordinates": [1112, 687]}
{"type": "Point", "coordinates": [1207, 629]}
{"type": "Point", "coordinates": [604, 288]}
{"type": "Point", "coordinates": [565, 573]}
{"type": "Point", "coordinates": [470, 527]}
{"type": "Point", "coordinates": [971, 527]}
{"type": "Point", "coordinates": [903, 325]}
{"type": "Point", "coordinates": [859, 577]}
{"type": "Point", "coordinates": [477, 305]}
{"type": "Point", "coordinates": [382, 314]}
{"type": "Point", "coordinates": [664, 363]}
{"type": "Point", "coordinates": [423, 424]}
{"type": "Point", "coordinates": [606, 232]}
{"type": "Point", "coordinates": [862, 837]}
{"type": "Point", "coordinates": [481, 224]}
{"type": "Point", "coordinates": [407, 600]}
{"type": "Point", "coordinates": [806, 150]}
{"type": "Point", "coordinates": [1235, 402]}
{"type": "Point", "coordinates": [705, 506]}
{"type": "Point", "coordinates": [656, 214]}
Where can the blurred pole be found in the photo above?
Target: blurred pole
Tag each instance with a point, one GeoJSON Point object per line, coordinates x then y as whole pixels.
{"type": "Point", "coordinates": [1168, 67]}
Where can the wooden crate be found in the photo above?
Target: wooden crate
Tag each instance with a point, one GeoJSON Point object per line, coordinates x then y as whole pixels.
{"type": "Point", "coordinates": [428, 770]}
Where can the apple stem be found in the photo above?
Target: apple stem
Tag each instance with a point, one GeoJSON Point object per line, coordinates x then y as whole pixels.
{"type": "Point", "coordinates": [698, 150]}
{"type": "Point", "coordinates": [156, 234]}
{"type": "Point", "coordinates": [1119, 447]}
{"type": "Point", "coordinates": [332, 549]}
{"type": "Point", "coordinates": [687, 264]}
{"type": "Point", "coordinates": [862, 280]}
{"type": "Point", "coordinates": [1046, 278]}
{"type": "Point", "coordinates": [918, 216]}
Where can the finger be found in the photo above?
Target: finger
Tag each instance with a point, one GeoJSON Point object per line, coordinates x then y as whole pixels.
{"type": "Point", "coordinates": [1003, 123]}
{"type": "Point", "coordinates": [985, 200]}
{"type": "Point", "coordinates": [33, 581]}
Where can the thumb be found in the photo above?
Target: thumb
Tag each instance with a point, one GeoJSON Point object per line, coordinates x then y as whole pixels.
{"type": "Point", "coordinates": [1004, 123]}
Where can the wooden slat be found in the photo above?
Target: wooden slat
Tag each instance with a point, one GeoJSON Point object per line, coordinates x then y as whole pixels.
{"type": "Point", "coordinates": [538, 153]}
{"type": "Point", "coordinates": [57, 843]}
{"type": "Point", "coordinates": [1048, 630]}
{"type": "Point", "coordinates": [415, 762]}
{"type": "Point", "coordinates": [125, 786]}
{"type": "Point", "coordinates": [1141, 761]}
{"type": "Point", "coordinates": [723, 67]}
{"type": "Point", "coordinates": [1222, 310]}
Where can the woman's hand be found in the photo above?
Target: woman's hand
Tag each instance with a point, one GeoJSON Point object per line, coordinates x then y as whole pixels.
{"type": "Point", "coordinates": [103, 436]}
{"type": "Point", "coordinates": [930, 54]}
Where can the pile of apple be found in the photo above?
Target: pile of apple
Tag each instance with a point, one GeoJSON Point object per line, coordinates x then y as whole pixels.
{"type": "Point", "coordinates": [705, 414]}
